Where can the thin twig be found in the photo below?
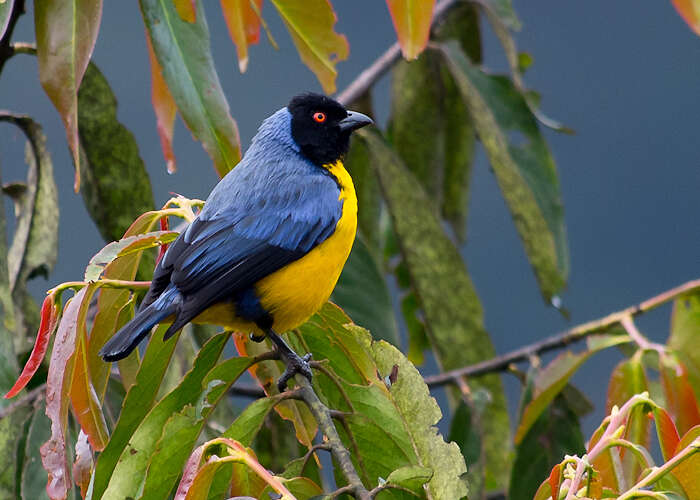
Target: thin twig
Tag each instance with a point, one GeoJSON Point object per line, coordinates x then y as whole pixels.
{"type": "Point", "coordinates": [563, 339]}
{"type": "Point", "coordinates": [27, 399]}
{"type": "Point", "coordinates": [247, 390]}
{"type": "Point", "coordinates": [322, 414]}
{"type": "Point", "coordinates": [385, 61]}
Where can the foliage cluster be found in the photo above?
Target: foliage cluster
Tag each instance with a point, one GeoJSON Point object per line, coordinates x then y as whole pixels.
{"type": "Point", "coordinates": [165, 425]}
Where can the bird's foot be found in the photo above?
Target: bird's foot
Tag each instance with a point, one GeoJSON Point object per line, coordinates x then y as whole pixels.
{"type": "Point", "coordinates": [295, 364]}
{"type": "Point", "coordinates": [257, 338]}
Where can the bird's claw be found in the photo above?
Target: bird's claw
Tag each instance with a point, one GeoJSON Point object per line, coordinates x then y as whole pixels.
{"type": "Point", "coordinates": [295, 364]}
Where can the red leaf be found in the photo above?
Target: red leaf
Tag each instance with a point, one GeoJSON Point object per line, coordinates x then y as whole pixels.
{"type": "Point", "coordinates": [186, 9]}
{"type": "Point", "coordinates": [679, 394]}
{"type": "Point", "coordinates": [47, 325]}
{"type": "Point", "coordinates": [690, 12]}
{"type": "Point", "coordinates": [243, 26]}
{"type": "Point", "coordinates": [667, 432]}
{"type": "Point", "coordinates": [82, 467]}
{"type": "Point", "coordinates": [164, 226]}
{"type": "Point", "coordinates": [66, 32]}
{"type": "Point", "coordinates": [164, 107]}
{"type": "Point", "coordinates": [53, 452]}
{"type": "Point", "coordinates": [412, 20]}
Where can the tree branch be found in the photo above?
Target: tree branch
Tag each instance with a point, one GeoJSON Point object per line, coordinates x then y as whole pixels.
{"type": "Point", "coordinates": [385, 61]}
{"type": "Point", "coordinates": [563, 339]}
{"type": "Point", "coordinates": [27, 399]}
{"type": "Point", "coordinates": [323, 416]}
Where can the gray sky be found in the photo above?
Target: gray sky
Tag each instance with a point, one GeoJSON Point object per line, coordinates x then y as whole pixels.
{"type": "Point", "coordinates": [623, 74]}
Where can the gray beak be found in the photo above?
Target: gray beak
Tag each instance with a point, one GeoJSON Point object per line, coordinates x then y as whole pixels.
{"type": "Point", "coordinates": [353, 121]}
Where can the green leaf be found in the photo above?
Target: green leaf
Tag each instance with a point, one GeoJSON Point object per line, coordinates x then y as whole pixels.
{"type": "Point", "coordinates": [417, 128]}
{"type": "Point", "coordinates": [452, 310]}
{"type": "Point", "coordinates": [34, 476]}
{"type": "Point", "coordinates": [12, 436]}
{"type": "Point", "coordinates": [523, 166]}
{"type": "Point", "coordinates": [420, 413]}
{"type": "Point", "coordinates": [65, 37]}
{"type": "Point", "coordinates": [123, 247]}
{"type": "Point", "coordinates": [166, 437]}
{"type": "Point", "coordinates": [363, 294]}
{"type": "Point", "coordinates": [137, 403]}
{"type": "Point", "coordinates": [412, 477]}
{"type": "Point", "coordinates": [555, 433]}
{"type": "Point", "coordinates": [430, 126]}
{"type": "Point", "coordinates": [5, 13]}
{"type": "Point", "coordinates": [504, 10]}
{"type": "Point", "coordinates": [249, 422]}
{"type": "Point", "coordinates": [116, 188]}
{"type": "Point", "coordinates": [685, 323]}
{"type": "Point", "coordinates": [412, 20]}
{"type": "Point", "coordinates": [35, 241]}
{"type": "Point", "coordinates": [310, 23]}
{"type": "Point", "coordinates": [552, 379]}
{"type": "Point", "coordinates": [387, 427]}
{"type": "Point", "coordinates": [184, 54]}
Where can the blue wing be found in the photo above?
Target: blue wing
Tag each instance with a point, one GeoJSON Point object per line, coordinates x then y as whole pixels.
{"type": "Point", "coordinates": [230, 247]}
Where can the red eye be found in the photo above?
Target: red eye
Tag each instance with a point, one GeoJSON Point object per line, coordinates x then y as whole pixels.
{"type": "Point", "coordinates": [319, 117]}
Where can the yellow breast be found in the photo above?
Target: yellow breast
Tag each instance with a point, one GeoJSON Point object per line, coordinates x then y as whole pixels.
{"type": "Point", "coordinates": [298, 290]}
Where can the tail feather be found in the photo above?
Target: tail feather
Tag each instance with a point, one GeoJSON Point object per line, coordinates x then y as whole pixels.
{"type": "Point", "coordinates": [131, 334]}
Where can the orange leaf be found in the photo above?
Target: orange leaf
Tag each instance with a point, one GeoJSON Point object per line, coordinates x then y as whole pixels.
{"type": "Point", "coordinates": [186, 9]}
{"type": "Point", "coordinates": [53, 452]}
{"type": "Point", "coordinates": [243, 26]}
{"type": "Point", "coordinates": [66, 32]}
{"type": "Point", "coordinates": [412, 20]}
{"type": "Point", "coordinates": [310, 23]}
{"type": "Point", "coordinates": [86, 404]}
{"type": "Point", "coordinates": [679, 394]}
{"type": "Point", "coordinates": [164, 107]}
{"type": "Point", "coordinates": [555, 481]}
{"type": "Point", "coordinates": [690, 12]}
{"type": "Point", "coordinates": [47, 325]}
{"type": "Point", "coordinates": [667, 433]}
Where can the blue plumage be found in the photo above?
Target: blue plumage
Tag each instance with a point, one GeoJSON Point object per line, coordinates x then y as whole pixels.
{"type": "Point", "coordinates": [270, 210]}
{"type": "Point", "coordinates": [272, 238]}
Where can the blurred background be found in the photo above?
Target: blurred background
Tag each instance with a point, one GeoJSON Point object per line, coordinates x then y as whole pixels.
{"type": "Point", "coordinates": [623, 75]}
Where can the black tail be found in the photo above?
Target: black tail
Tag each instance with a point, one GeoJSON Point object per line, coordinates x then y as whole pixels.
{"type": "Point", "coordinates": [131, 334]}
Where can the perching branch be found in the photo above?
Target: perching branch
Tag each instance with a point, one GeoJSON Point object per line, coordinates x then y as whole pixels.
{"type": "Point", "coordinates": [385, 61]}
{"type": "Point", "coordinates": [501, 363]}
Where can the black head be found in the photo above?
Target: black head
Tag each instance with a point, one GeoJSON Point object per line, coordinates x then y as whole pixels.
{"type": "Point", "coordinates": [321, 127]}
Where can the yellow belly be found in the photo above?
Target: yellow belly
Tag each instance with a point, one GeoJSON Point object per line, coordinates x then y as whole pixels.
{"type": "Point", "coordinates": [295, 292]}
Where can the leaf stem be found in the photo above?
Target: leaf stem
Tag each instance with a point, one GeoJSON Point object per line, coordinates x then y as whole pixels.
{"type": "Point", "coordinates": [658, 472]}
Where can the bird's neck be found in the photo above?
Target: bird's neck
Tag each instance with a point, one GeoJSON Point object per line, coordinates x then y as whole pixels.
{"type": "Point", "coordinates": [342, 178]}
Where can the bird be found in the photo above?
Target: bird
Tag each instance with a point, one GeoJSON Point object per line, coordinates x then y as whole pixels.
{"type": "Point", "coordinates": [268, 247]}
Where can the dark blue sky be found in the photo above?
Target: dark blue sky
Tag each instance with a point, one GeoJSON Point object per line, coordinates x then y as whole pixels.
{"type": "Point", "coordinates": [623, 74]}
